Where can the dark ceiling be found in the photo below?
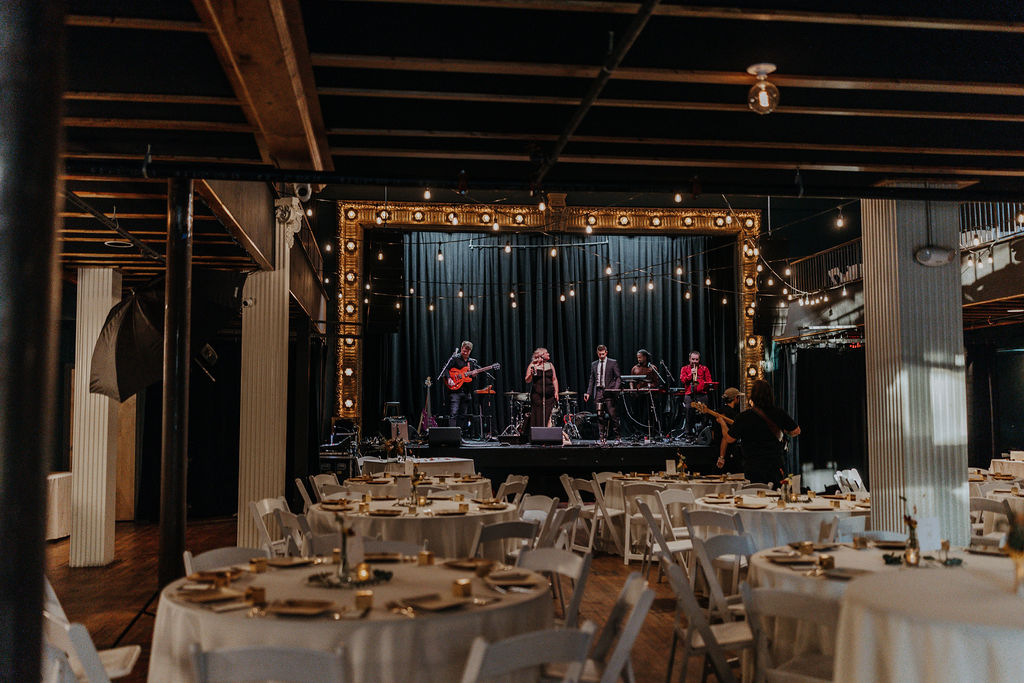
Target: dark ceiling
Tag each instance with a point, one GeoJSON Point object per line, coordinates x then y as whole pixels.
{"type": "Point", "coordinates": [909, 99]}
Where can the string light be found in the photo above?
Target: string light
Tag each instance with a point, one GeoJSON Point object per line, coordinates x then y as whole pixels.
{"type": "Point", "coordinates": [687, 295]}
{"type": "Point", "coordinates": [494, 226]}
{"type": "Point", "coordinates": [472, 307]}
{"type": "Point", "coordinates": [562, 297]}
{"type": "Point", "coordinates": [844, 290]}
{"type": "Point", "coordinates": [990, 259]}
{"type": "Point", "coordinates": [771, 281]}
{"type": "Point", "coordinates": [508, 247]}
{"type": "Point", "coordinates": [725, 300]}
{"type": "Point", "coordinates": [327, 247]}
{"type": "Point", "coordinates": [511, 295]}
{"type": "Point", "coordinates": [440, 254]}
{"type": "Point", "coordinates": [608, 269]}
{"type": "Point", "coordinates": [785, 290]}
{"type": "Point", "coordinates": [650, 285]}
{"type": "Point", "coordinates": [633, 287]}
{"type": "Point", "coordinates": [840, 222]}
{"type": "Point", "coordinates": [309, 211]}
{"type": "Point", "coordinates": [572, 290]}
{"type": "Point", "coordinates": [707, 281]}
{"type": "Point", "coordinates": [589, 230]}
{"type": "Point", "coordinates": [760, 268]}
{"type": "Point", "coordinates": [788, 271]}
{"type": "Point", "coordinates": [380, 255]}
{"type": "Point", "coordinates": [679, 270]}
{"type": "Point", "coordinates": [461, 293]}
{"type": "Point", "coordinates": [542, 205]}
{"type": "Point", "coordinates": [327, 280]}
{"type": "Point", "coordinates": [554, 252]}
{"type": "Point", "coordinates": [514, 304]}
{"type": "Point", "coordinates": [426, 193]}
{"type": "Point", "coordinates": [618, 286]}
{"type": "Point", "coordinates": [678, 198]}
{"type": "Point", "coordinates": [412, 290]}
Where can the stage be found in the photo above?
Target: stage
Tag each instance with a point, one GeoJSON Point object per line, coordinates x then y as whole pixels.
{"type": "Point", "coordinates": [544, 464]}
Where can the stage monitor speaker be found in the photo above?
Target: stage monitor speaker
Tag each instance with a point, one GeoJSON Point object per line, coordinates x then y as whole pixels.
{"type": "Point", "coordinates": [548, 435]}
{"type": "Point", "coordinates": [445, 436]}
{"type": "Point", "coordinates": [386, 277]}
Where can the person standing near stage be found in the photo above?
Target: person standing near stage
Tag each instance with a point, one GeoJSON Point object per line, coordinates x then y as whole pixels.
{"type": "Point", "coordinates": [696, 379]}
{"type": "Point", "coordinates": [644, 403]}
{"type": "Point", "coordinates": [605, 380]}
{"type": "Point", "coordinates": [459, 399]}
{"type": "Point", "coordinates": [761, 430]}
{"type": "Point", "coordinates": [643, 367]}
{"type": "Point", "coordinates": [729, 454]}
{"type": "Point", "coordinates": [540, 373]}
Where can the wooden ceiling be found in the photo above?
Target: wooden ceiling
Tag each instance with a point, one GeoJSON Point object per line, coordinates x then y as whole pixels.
{"type": "Point", "coordinates": [909, 99]}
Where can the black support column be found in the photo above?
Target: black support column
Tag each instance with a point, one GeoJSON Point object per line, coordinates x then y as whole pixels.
{"type": "Point", "coordinates": [177, 356]}
{"type": "Point", "coordinates": [31, 80]}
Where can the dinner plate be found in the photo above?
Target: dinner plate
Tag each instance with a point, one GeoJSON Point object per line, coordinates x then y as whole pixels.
{"type": "Point", "coordinates": [379, 482]}
{"type": "Point", "coordinates": [748, 506]}
{"type": "Point", "coordinates": [211, 575]}
{"type": "Point", "coordinates": [380, 558]}
{"type": "Point", "coordinates": [285, 562]}
{"type": "Point", "coordinates": [436, 602]}
{"type": "Point", "coordinates": [492, 506]}
{"type": "Point", "coordinates": [449, 513]}
{"type": "Point", "coordinates": [716, 501]}
{"type": "Point", "coordinates": [890, 545]}
{"type": "Point", "coordinates": [468, 563]}
{"type": "Point", "coordinates": [795, 545]}
{"type": "Point", "coordinates": [845, 573]}
{"type": "Point", "coordinates": [299, 608]}
{"type": "Point", "coordinates": [1000, 491]}
{"type": "Point", "coordinates": [975, 480]}
{"type": "Point", "coordinates": [511, 577]}
{"type": "Point", "coordinates": [385, 512]}
{"type": "Point", "coordinates": [215, 595]}
{"type": "Point", "coordinates": [810, 507]}
{"type": "Point", "coordinates": [485, 500]}
{"type": "Point", "coordinates": [335, 507]}
{"type": "Point", "coordinates": [791, 559]}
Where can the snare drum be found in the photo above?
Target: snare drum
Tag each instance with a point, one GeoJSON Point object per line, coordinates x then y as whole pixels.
{"type": "Point", "coordinates": [522, 397]}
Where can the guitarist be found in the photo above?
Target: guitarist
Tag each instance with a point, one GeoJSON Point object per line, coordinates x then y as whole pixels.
{"type": "Point", "coordinates": [459, 399]}
{"type": "Point", "coordinates": [729, 454]}
{"type": "Point", "coordinates": [761, 428]}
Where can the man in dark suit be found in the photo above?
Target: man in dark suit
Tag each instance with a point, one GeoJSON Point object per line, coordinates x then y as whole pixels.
{"type": "Point", "coordinates": [605, 381]}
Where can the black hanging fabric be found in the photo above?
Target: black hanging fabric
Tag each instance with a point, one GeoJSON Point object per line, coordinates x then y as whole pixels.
{"type": "Point", "coordinates": [661, 320]}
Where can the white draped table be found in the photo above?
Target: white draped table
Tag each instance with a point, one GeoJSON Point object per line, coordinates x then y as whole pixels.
{"type": "Point", "coordinates": [447, 536]}
{"type": "Point", "coordinates": [384, 646]}
{"type": "Point", "coordinates": [425, 465]}
{"type": "Point", "coordinates": [477, 487]}
{"type": "Point", "coordinates": [699, 487]}
{"type": "Point", "coordinates": [1014, 467]}
{"type": "Point", "coordinates": [770, 525]}
{"type": "Point", "coordinates": [933, 625]}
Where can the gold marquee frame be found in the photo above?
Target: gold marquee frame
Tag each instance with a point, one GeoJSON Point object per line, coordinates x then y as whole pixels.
{"type": "Point", "coordinates": [356, 218]}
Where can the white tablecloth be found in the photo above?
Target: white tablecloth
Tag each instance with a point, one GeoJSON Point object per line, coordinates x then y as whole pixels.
{"type": "Point", "coordinates": [58, 505]}
{"type": "Point", "coordinates": [382, 647]}
{"type": "Point", "coordinates": [481, 488]}
{"type": "Point", "coordinates": [933, 625]}
{"type": "Point", "coordinates": [445, 536]}
{"type": "Point", "coordinates": [613, 488]}
{"type": "Point", "coordinates": [1016, 501]}
{"type": "Point", "coordinates": [1014, 467]}
{"type": "Point", "coordinates": [425, 465]}
{"type": "Point", "coordinates": [771, 526]}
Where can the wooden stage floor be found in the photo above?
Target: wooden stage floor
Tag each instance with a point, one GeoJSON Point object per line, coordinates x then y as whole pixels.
{"type": "Point", "coordinates": [106, 599]}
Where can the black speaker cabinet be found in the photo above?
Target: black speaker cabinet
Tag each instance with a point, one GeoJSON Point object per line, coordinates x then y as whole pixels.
{"type": "Point", "coordinates": [546, 435]}
{"type": "Point", "coordinates": [445, 436]}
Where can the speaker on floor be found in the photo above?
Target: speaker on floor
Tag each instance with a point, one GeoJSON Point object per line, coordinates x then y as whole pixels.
{"type": "Point", "coordinates": [445, 436]}
{"type": "Point", "coordinates": [546, 435]}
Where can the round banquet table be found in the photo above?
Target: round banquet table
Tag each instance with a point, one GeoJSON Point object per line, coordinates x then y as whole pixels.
{"type": "Point", "coordinates": [475, 487]}
{"type": "Point", "coordinates": [1016, 500]}
{"type": "Point", "coordinates": [384, 646]}
{"type": "Point", "coordinates": [1014, 467]}
{"type": "Point", "coordinates": [700, 487]}
{"type": "Point", "coordinates": [935, 625]}
{"type": "Point", "coordinates": [770, 525]}
{"type": "Point", "coordinates": [788, 638]}
{"type": "Point", "coordinates": [446, 536]}
{"type": "Point", "coordinates": [425, 465]}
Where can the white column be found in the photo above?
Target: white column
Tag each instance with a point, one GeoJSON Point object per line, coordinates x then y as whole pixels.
{"type": "Point", "coordinates": [263, 423]}
{"type": "Point", "coordinates": [94, 428]}
{"type": "Point", "coordinates": [916, 397]}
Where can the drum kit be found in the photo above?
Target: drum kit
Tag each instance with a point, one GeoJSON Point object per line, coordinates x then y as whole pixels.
{"type": "Point", "coordinates": [564, 413]}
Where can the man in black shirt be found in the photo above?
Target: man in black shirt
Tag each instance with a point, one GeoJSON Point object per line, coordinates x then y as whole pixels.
{"type": "Point", "coordinates": [460, 397]}
{"type": "Point", "coordinates": [729, 454]}
{"type": "Point", "coordinates": [761, 429]}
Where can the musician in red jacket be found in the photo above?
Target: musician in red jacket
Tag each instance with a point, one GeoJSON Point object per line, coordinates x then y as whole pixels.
{"type": "Point", "coordinates": [459, 399]}
{"type": "Point", "coordinates": [695, 378]}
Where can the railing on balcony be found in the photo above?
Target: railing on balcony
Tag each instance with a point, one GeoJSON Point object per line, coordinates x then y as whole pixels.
{"type": "Point", "coordinates": [986, 222]}
{"type": "Point", "coordinates": [834, 267]}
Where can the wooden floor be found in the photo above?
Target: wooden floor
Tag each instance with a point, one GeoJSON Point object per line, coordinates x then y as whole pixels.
{"type": "Point", "coordinates": [107, 599]}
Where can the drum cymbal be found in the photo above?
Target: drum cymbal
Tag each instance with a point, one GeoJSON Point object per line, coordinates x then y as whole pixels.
{"type": "Point", "coordinates": [566, 393]}
{"type": "Point", "coordinates": [511, 393]}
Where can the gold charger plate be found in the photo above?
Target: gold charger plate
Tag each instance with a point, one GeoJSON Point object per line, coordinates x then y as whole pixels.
{"type": "Point", "coordinates": [485, 500]}
{"type": "Point", "coordinates": [511, 577]}
{"type": "Point", "coordinates": [385, 512]}
{"type": "Point", "coordinates": [468, 563]}
{"type": "Point", "coordinates": [215, 595]}
{"type": "Point", "coordinates": [435, 602]}
{"type": "Point", "coordinates": [335, 507]}
{"type": "Point", "coordinates": [211, 575]}
{"type": "Point", "coordinates": [845, 573]}
{"type": "Point", "coordinates": [787, 559]}
{"type": "Point", "coordinates": [379, 482]}
{"type": "Point", "coordinates": [299, 608]}
{"type": "Point", "coordinates": [716, 501]}
{"type": "Point", "coordinates": [811, 507]}
{"type": "Point", "coordinates": [285, 562]}
{"type": "Point", "coordinates": [795, 545]}
{"type": "Point", "coordinates": [619, 477]}
{"type": "Point", "coordinates": [748, 506]}
{"type": "Point", "coordinates": [492, 506]}
{"type": "Point", "coordinates": [383, 498]}
{"type": "Point", "coordinates": [449, 513]}
{"type": "Point", "coordinates": [383, 557]}
{"type": "Point", "coordinates": [1003, 476]}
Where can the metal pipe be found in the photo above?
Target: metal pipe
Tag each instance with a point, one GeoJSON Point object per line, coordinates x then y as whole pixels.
{"type": "Point", "coordinates": [32, 78]}
{"type": "Point", "coordinates": [636, 26]}
{"type": "Point", "coordinates": [112, 224]}
{"type": "Point", "coordinates": [177, 352]}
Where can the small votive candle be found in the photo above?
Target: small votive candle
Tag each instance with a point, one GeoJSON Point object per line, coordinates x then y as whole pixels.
{"type": "Point", "coordinates": [806, 547]}
{"type": "Point", "coordinates": [367, 498]}
{"type": "Point", "coordinates": [781, 503]}
{"type": "Point", "coordinates": [810, 494]}
{"type": "Point", "coordinates": [737, 500]}
{"type": "Point", "coordinates": [425, 557]}
{"type": "Point", "coordinates": [411, 509]}
{"type": "Point", "coordinates": [256, 595]}
{"type": "Point", "coordinates": [827, 561]}
{"type": "Point", "coordinates": [835, 504]}
{"type": "Point", "coordinates": [761, 493]}
{"type": "Point", "coordinates": [459, 496]}
{"type": "Point", "coordinates": [221, 581]}
{"type": "Point", "coordinates": [860, 542]}
{"type": "Point", "coordinates": [363, 572]}
{"type": "Point", "coordinates": [421, 501]}
{"type": "Point", "coordinates": [463, 507]}
{"type": "Point", "coordinates": [336, 556]}
{"type": "Point", "coordinates": [364, 507]}
{"type": "Point", "coordinates": [462, 588]}
{"type": "Point", "coordinates": [364, 599]}
{"type": "Point", "coordinates": [258, 565]}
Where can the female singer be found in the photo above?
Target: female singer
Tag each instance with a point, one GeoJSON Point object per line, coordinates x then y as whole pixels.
{"type": "Point", "coordinates": [544, 387]}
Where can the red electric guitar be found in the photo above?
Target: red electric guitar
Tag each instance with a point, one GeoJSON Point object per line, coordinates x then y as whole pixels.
{"type": "Point", "coordinates": [459, 376]}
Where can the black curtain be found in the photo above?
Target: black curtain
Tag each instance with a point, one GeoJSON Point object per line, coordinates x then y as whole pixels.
{"type": "Point", "coordinates": [662, 320]}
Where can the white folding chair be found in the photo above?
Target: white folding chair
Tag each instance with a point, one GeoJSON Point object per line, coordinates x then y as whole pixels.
{"type": "Point", "coordinates": [540, 509]}
{"type": "Point", "coordinates": [752, 489]}
{"type": "Point", "coordinates": [599, 516]}
{"type": "Point", "coordinates": [260, 509]}
{"type": "Point", "coordinates": [503, 531]}
{"type": "Point", "coordinates": [220, 557]}
{"type": "Point", "coordinates": [766, 603]}
{"type": "Point", "coordinates": [993, 519]}
{"type": "Point", "coordinates": [516, 489]}
{"type": "Point", "coordinates": [88, 663]}
{"type": "Point", "coordinates": [717, 555]}
{"type": "Point", "coordinates": [842, 483]}
{"type": "Point", "coordinates": [602, 478]}
{"type": "Point", "coordinates": [561, 563]}
{"type": "Point", "coordinates": [316, 482]}
{"type": "Point", "coordinates": [51, 603]}
{"type": "Point", "coordinates": [855, 480]}
{"type": "Point", "coordinates": [269, 663]}
{"type": "Point", "coordinates": [306, 500]}
{"type": "Point", "coordinates": [329, 491]}
{"type": "Point", "coordinates": [698, 635]}
{"type": "Point", "coordinates": [630, 493]}
{"type": "Point", "coordinates": [605, 664]}
{"type": "Point", "coordinates": [529, 650]}
{"type": "Point", "coordinates": [704, 524]}
{"type": "Point", "coordinates": [296, 526]}
{"type": "Point", "coordinates": [676, 549]}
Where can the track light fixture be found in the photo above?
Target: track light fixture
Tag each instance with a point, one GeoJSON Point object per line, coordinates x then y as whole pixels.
{"type": "Point", "coordinates": [763, 96]}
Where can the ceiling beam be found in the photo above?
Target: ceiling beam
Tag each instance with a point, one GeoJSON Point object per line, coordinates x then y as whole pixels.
{"type": "Point", "coordinates": [676, 142]}
{"type": "Point", "coordinates": [263, 50]}
{"type": "Point", "coordinates": [735, 13]}
{"type": "Point", "coordinates": [139, 23]}
{"type": "Point", "coordinates": [741, 78]}
{"type": "Point", "coordinates": [372, 152]}
{"type": "Point", "coordinates": [181, 158]}
{"type": "Point", "coordinates": [667, 104]}
{"type": "Point", "coordinates": [157, 98]}
{"type": "Point", "coordinates": [156, 124]}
